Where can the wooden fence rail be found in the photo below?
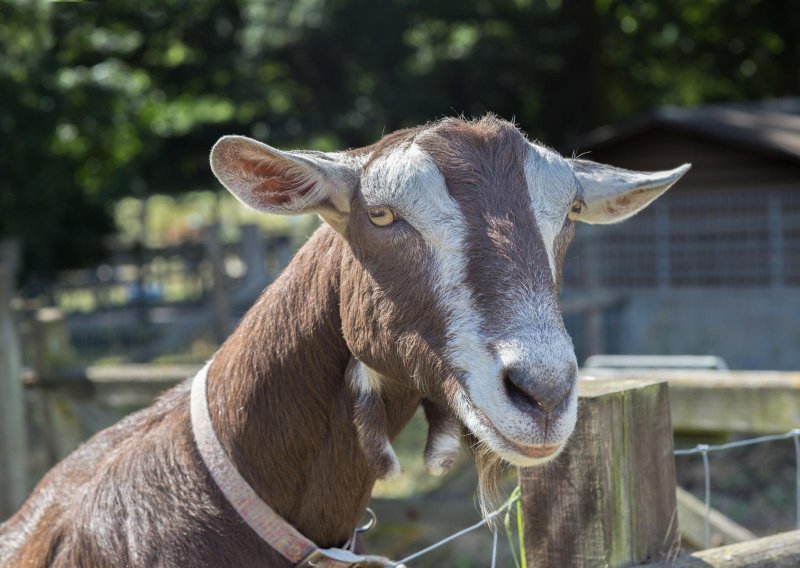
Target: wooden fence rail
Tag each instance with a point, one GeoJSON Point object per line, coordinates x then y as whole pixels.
{"type": "Point", "coordinates": [702, 402]}
{"type": "Point", "coordinates": [712, 402]}
{"type": "Point", "coordinates": [776, 551]}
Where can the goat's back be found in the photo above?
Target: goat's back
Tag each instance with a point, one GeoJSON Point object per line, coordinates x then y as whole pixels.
{"type": "Point", "coordinates": [136, 494]}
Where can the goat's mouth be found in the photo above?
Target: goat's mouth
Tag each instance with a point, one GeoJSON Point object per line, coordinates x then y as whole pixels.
{"type": "Point", "coordinates": [533, 451]}
{"type": "Point", "coordinates": [516, 452]}
{"type": "Point", "coordinates": [513, 450]}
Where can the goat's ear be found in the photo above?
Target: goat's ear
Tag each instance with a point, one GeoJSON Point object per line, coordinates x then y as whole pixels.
{"type": "Point", "coordinates": [614, 194]}
{"type": "Point", "coordinates": [273, 181]}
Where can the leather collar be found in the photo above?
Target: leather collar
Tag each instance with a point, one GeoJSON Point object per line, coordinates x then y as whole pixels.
{"type": "Point", "coordinates": [267, 524]}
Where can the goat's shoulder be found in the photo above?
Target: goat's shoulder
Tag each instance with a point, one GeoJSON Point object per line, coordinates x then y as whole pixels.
{"type": "Point", "coordinates": [70, 487]}
{"type": "Point", "coordinates": [138, 496]}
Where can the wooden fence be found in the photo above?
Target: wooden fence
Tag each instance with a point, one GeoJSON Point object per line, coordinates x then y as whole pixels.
{"type": "Point", "coordinates": [148, 302]}
{"type": "Point", "coordinates": [152, 277]}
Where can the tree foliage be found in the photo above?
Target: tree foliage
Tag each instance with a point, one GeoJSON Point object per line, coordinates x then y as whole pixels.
{"type": "Point", "coordinates": [106, 99]}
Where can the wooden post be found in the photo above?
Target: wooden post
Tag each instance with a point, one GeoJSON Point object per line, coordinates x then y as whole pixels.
{"type": "Point", "coordinates": [609, 499]}
{"type": "Point", "coordinates": [219, 295]}
{"type": "Point", "coordinates": [251, 249]}
{"type": "Point", "coordinates": [50, 344]}
{"type": "Point", "coordinates": [13, 435]}
{"type": "Point", "coordinates": [142, 308]}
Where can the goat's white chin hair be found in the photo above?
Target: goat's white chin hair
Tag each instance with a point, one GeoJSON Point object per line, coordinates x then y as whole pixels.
{"type": "Point", "coordinates": [492, 439]}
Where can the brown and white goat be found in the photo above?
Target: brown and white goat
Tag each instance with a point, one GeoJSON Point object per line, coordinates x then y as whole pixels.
{"type": "Point", "coordinates": [435, 281]}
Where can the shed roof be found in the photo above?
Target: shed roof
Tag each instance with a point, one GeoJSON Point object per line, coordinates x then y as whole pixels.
{"type": "Point", "coordinates": [771, 126]}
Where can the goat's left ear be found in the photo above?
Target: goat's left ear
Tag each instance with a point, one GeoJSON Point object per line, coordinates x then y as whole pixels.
{"type": "Point", "coordinates": [275, 181]}
{"type": "Point", "coordinates": [614, 194]}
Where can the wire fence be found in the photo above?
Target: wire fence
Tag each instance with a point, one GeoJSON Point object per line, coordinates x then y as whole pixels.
{"type": "Point", "coordinates": [716, 238]}
{"type": "Point", "coordinates": [702, 449]}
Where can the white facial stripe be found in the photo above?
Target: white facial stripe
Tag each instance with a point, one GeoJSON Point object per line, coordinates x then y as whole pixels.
{"type": "Point", "coordinates": [552, 186]}
{"type": "Point", "coordinates": [408, 180]}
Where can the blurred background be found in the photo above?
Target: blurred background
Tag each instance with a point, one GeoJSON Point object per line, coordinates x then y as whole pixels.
{"type": "Point", "coordinates": [121, 254]}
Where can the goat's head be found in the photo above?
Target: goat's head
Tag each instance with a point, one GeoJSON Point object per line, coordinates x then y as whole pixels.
{"type": "Point", "coordinates": [457, 232]}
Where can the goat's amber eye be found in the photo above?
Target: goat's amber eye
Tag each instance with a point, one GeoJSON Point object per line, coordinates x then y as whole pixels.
{"type": "Point", "coordinates": [381, 216]}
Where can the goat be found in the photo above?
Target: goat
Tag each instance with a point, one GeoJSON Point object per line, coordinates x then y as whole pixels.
{"type": "Point", "coordinates": [434, 280]}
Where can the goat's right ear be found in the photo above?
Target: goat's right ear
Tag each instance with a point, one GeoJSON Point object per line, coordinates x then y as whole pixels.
{"type": "Point", "coordinates": [274, 181]}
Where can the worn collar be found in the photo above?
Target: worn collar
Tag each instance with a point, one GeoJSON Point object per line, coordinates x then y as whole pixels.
{"type": "Point", "coordinates": [259, 516]}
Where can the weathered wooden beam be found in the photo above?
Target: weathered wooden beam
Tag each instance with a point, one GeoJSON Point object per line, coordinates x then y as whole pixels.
{"type": "Point", "coordinates": [703, 402]}
{"type": "Point", "coordinates": [707, 402]}
{"type": "Point", "coordinates": [609, 499]}
{"type": "Point", "coordinates": [777, 551]}
{"type": "Point", "coordinates": [219, 295]}
{"type": "Point", "coordinates": [128, 386]}
{"type": "Point", "coordinates": [692, 523]}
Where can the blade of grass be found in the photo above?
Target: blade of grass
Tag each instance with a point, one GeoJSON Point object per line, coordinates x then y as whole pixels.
{"type": "Point", "coordinates": [507, 525]}
{"type": "Point", "coordinates": [520, 534]}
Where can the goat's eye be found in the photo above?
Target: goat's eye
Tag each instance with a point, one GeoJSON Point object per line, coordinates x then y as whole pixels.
{"type": "Point", "coordinates": [381, 216]}
{"type": "Point", "coordinates": [577, 206]}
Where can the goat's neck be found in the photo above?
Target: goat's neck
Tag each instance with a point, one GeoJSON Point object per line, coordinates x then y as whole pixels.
{"type": "Point", "coordinates": [281, 406]}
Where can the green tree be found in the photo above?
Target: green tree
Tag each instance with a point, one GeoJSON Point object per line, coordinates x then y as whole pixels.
{"type": "Point", "coordinates": [107, 99]}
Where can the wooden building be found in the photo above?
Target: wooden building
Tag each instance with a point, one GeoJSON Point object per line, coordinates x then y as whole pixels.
{"type": "Point", "coordinates": [713, 267]}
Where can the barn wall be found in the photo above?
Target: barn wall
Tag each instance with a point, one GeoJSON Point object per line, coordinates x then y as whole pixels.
{"type": "Point", "coordinates": [749, 329]}
{"type": "Point", "coordinates": [719, 276]}
{"type": "Point", "coordinates": [714, 165]}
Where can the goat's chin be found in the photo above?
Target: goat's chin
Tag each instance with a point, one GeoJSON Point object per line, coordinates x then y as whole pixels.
{"type": "Point", "coordinates": [525, 445]}
{"type": "Point", "coordinates": [524, 460]}
{"type": "Point", "coordinates": [493, 451]}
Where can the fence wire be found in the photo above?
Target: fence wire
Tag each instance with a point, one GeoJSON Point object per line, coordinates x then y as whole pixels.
{"type": "Point", "coordinates": [703, 449]}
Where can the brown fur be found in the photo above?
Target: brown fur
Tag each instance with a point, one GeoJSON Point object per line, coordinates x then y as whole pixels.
{"type": "Point", "coordinates": [138, 495]}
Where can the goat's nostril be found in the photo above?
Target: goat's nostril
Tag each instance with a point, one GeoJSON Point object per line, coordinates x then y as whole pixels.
{"type": "Point", "coordinates": [518, 393]}
{"type": "Point", "coordinates": [530, 393]}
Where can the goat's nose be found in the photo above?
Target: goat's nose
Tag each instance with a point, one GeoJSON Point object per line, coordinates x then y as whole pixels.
{"type": "Point", "coordinates": [534, 392]}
